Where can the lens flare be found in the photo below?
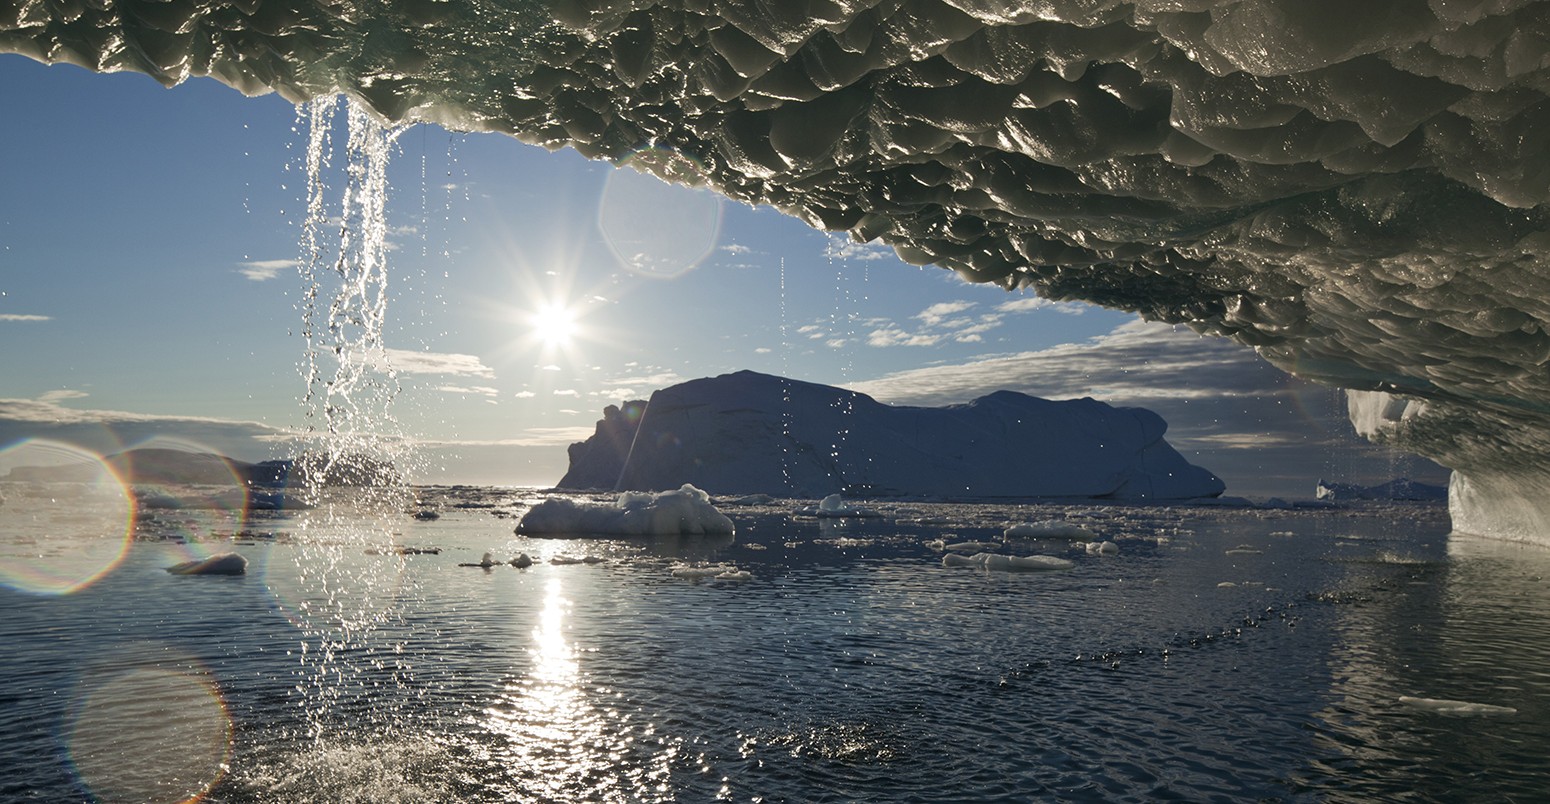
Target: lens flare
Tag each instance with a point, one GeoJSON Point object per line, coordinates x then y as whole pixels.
{"type": "Point", "coordinates": [151, 734]}
{"type": "Point", "coordinates": [186, 495]}
{"type": "Point", "coordinates": [66, 517]}
{"type": "Point", "coordinates": [656, 226]}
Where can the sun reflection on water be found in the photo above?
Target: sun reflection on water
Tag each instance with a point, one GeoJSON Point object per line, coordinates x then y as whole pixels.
{"type": "Point", "coordinates": [558, 739]}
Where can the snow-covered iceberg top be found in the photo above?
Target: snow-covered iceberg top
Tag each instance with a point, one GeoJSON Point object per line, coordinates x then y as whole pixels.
{"type": "Point", "coordinates": [747, 433]}
{"type": "Point", "coordinates": [683, 511]}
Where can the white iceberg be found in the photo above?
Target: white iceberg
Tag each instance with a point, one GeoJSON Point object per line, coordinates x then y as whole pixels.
{"type": "Point", "coordinates": [684, 511]}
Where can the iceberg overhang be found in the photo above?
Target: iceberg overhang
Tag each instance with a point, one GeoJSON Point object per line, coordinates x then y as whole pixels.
{"type": "Point", "coordinates": [1356, 190]}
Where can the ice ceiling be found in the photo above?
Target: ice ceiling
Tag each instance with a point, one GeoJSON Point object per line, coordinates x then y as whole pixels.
{"type": "Point", "coordinates": [1354, 187]}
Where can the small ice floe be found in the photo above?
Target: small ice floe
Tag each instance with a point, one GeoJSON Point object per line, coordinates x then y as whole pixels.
{"type": "Point", "coordinates": [522, 561]}
{"type": "Point", "coordinates": [971, 547]}
{"type": "Point", "coordinates": [684, 511]}
{"type": "Point", "coordinates": [754, 546]}
{"type": "Point", "coordinates": [752, 499]}
{"type": "Point", "coordinates": [565, 560]}
{"type": "Point", "coordinates": [844, 542]}
{"type": "Point", "coordinates": [1227, 585]}
{"type": "Point", "coordinates": [219, 564]}
{"type": "Point", "coordinates": [834, 506]}
{"type": "Point", "coordinates": [721, 572]}
{"type": "Point", "coordinates": [1102, 549]}
{"type": "Point", "coordinates": [936, 544]}
{"type": "Point", "coordinates": [1245, 550]}
{"type": "Point", "coordinates": [486, 562]}
{"type": "Point", "coordinates": [1049, 529]}
{"type": "Point", "coordinates": [997, 561]}
{"type": "Point", "coordinates": [1442, 706]}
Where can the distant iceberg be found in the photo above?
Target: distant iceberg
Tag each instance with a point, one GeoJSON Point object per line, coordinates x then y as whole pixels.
{"type": "Point", "coordinates": [683, 511]}
{"type": "Point", "coordinates": [750, 433]}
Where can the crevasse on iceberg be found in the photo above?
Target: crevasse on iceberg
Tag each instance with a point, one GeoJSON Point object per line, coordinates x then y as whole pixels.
{"type": "Point", "coordinates": [1356, 189]}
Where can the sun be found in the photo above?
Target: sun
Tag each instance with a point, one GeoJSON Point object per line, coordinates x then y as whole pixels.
{"type": "Point", "coordinates": [553, 324]}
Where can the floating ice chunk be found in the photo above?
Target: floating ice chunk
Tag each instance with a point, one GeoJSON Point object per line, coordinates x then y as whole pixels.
{"type": "Point", "coordinates": [997, 561]}
{"type": "Point", "coordinates": [565, 560]}
{"type": "Point", "coordinates": [699, 571]}
{"type": "Point", "coordinates": [1049, 529]}
{"type": "Point", "coordinates": [752, 499]}
{"type": "Point", "coordinates": [219, 564]}
{"type": "Point", "coordinates": [735, 575]}
{"type": "Point", "coordinates": [1102, 549]}
{"type": "Point", "coordinates": [522, 561]}
{"type": "Point", "coordinates": [936, 544]}
{"type": "Point", "coordinates": [1245, 550]}
{"type": "Point", "coordinates": [971, 547]}
{"type": "Point", "coordinates": [686, 510]}
{"type": "Point", "coordinates": [486, 561]}
{"type": "Point", "coordinates": [1227, 585]}
{"type": "Point", "coordinates": [1443, 706]}
{"type": "Point", "coordinates": [834, 506]}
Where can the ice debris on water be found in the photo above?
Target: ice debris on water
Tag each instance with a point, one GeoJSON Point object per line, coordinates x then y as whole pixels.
{"type": "Point", "coordinates": [1443, 706]}
{"type": "Point", "coordinates": [835, 507]}
{"type": "Point", "coordinates": [720, 572]}
{"type": "Point", "coordinates": [997, 561]}
{"type": "Point", "coordinates": [1102, 548]}
{"type": "Point", "coordinates": [1049, 529]}
{"type": "Point", "coordinates": [971, 547]}
{"type": "Point", "coordinates": [683, 511]}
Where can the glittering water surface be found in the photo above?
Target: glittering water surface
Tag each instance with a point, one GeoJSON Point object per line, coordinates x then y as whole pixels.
{"type": "Point", "coordinates": [1222, 654]}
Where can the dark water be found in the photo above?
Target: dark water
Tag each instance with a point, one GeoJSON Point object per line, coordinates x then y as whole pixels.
{"type": "Point", "coordinates": [849, 666]}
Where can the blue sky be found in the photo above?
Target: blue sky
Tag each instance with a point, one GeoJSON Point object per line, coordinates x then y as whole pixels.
{"type": "Point", "coordinates": [148, 288]}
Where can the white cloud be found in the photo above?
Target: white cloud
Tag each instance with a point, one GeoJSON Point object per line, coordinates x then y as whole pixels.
{"type": "Point", "coordinates": [265, 270]}
{"type": "Point", "coordinates": [107, 431]}
{"type": "Point", "coordinates": [61, 395]}
{"type": "Point", "coordinates": [894, 336]}
{"type": "Point", "coordinates": [412, 362]}
{"type": "Point", "coordinates": [736, 248]}
{"type": "Point", "coordinates": [762, 350]}
{"type": "Point", "coordinates": [566, 392]}
{"type": "Point", "coordinates": [1030, 303]}
{"type": "Point", "coordinates": [479, 390]}
{"type": "Point", "coordinates": [23, 317]}
{"type": "Point", "coordinates": [1136, 360]}
{"type": "Point", "coordinates": [550, 367]}
{"type": "Point", "coordinates": [841, 247]}
{"type": "Point", "coordinates": [524, 394]}
{"type": "Point", "coordinates": [933, 315]}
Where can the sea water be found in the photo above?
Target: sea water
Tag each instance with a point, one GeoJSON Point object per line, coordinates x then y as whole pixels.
{"type": "Point", "coordinates": [1221, 654]}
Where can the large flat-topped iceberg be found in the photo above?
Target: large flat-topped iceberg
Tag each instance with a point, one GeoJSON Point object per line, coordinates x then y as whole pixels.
{"type": "Point", "coordinates": [748, 433]}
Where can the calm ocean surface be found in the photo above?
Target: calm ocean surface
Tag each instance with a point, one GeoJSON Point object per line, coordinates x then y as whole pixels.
{"type": "Point", "coordinates": [1222, 655]}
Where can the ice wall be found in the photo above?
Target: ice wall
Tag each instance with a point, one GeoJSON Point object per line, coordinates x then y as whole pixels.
{"type": "Point", "coordinates": [1357, 189]}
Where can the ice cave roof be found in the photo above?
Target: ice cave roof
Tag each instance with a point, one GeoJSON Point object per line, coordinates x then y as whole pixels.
{"type": "Point", "coordinates": [1355, 188]}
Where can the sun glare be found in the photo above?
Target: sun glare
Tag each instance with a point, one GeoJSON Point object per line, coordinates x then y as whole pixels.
{"type": "Point", "coordinates": [554, 324]}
